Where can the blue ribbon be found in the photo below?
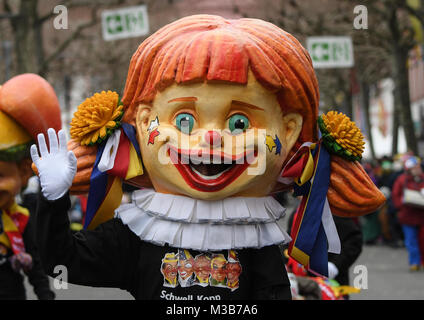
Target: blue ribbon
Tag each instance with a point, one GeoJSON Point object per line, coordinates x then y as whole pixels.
{"type": "Point", "coordinates": [311, 238]}
{"type": "Point", "coordinates": [131, 133]}
{"type": "Point", "coordinates": [98, 185]}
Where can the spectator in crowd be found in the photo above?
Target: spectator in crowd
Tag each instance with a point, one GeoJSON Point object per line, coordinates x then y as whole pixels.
{"type": "Point", "coordinates": [411, 213]}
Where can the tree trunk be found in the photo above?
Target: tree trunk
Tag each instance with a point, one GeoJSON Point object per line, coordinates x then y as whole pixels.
{"type": "Point", "coordinates": [365, 95]}
{"type": "Point", "coordinates": [402, 87]}
{"type": "Point", "coordinates": [395, 122]}
{"type": "Point", "coordinates": [39, 50]}
{"type": "Point", "coordinates": [24, 39]}
{"type": "Point", "coordinates": [401, 78]}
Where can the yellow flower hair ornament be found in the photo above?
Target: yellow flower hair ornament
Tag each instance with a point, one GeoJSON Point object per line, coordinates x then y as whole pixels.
{"type": "Point", "coordinates": [341, 136]}
{"type": "Point", "coordinates": [96, 118]}
{"type": "Point", "coordinates": [97, 121]}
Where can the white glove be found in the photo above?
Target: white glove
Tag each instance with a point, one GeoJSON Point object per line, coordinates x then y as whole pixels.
{"type": "Point", "coordinates": [57, 168]}
{"type": "Point", "coordinates": [332, 270]}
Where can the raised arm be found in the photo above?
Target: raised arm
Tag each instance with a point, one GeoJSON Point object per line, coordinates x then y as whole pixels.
{"type": "Point", "coordinates": [95, 258]}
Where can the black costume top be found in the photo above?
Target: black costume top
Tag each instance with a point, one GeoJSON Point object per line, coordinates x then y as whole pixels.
{"type": "Point", "coordinates": [113, 256]}
{"type": "Point", "coordinates": [11, 282]}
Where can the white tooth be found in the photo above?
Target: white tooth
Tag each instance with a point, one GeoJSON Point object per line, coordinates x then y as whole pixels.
{"type": "Point", "coordinates": [205, 161]}
{"type": "Point", "coordinates": [216, 159]}
{"type": "Point", "coordinates": [185, 159]}
{"type": "Point", "coordinates": [250, 157]}
{"type": "Point", "coordinates": [209, 177]}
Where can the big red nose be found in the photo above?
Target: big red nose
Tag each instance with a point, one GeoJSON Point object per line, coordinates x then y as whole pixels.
{"type": "Point", "coordinates": [213, 138]}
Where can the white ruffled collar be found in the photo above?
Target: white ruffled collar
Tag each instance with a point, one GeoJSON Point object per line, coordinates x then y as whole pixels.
{"type": "Point", "coordinates": [184, 222]}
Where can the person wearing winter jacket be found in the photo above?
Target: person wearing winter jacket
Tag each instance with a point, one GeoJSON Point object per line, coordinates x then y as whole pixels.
{"type": "Point", "coordinates": [411, 216]}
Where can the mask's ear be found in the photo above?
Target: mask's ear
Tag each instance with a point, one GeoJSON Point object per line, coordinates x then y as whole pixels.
{"type": "Point", "coordinates": [293, 126]}
{"type": "Point", "coordinates": [141, 124]}
{"type": "Point", "coordinates": [25, 171]}
{"type": "Point", "coordinates": [142, 118]}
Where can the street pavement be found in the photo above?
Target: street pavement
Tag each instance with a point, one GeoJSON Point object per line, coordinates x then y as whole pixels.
{"type": "Point", "coordinates": [74, 292]}
{"type": "Point", "coordinates": [387, 275]}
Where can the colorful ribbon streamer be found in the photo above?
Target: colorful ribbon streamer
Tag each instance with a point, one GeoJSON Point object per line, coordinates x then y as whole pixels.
{"type": "Point", "coordinates": [117, 159]}
{"type": "Point", "coordinates": [313, 225]}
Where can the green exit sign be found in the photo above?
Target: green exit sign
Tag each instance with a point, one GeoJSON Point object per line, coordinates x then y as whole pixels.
{"type": "Point", "coordinates": [331, 52]}
{"type": "Point", "coordinates": [125, 23]}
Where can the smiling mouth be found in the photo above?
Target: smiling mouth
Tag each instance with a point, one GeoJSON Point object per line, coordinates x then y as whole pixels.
{"type": "Point", "coordinates": [209, 171]}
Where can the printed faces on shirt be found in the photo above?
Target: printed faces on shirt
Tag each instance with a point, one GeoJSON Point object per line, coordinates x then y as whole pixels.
{"type": "Point", "coordinates": [206, 269]}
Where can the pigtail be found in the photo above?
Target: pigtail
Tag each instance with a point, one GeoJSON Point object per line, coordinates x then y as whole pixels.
{"type": "Point", "coordinates": [351, 191]}
{"type": "Point", "coordinates": [86, 157]}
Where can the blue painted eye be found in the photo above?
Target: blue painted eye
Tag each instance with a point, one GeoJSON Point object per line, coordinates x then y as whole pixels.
{"type": "Point", "coordinates": [238, 123]}
{"type": "Point", "coordinates": [184, 122]}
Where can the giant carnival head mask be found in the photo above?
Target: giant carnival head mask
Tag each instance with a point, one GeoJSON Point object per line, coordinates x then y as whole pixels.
{"type": "Point", "coordinates": [219, 107]}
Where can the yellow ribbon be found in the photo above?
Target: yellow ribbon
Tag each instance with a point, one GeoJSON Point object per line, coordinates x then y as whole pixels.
{"type": "Point", "coordinates": [8, 224]}
{"type": "Point", "coordinates": [308, 171]}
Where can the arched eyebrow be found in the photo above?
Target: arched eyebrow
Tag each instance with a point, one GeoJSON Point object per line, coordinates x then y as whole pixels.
{"type": "Point", "coordinates": [183, 99]}
{"type": "Point", "coordinates": [245, 104]}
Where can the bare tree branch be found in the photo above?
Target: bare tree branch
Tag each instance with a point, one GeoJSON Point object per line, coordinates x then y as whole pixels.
{"type": "Point", "coordinates": [68, 41]}
{"type": "Point", "coordinates": [9, 14]}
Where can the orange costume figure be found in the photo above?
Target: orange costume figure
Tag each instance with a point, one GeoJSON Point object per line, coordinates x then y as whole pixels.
{"type": "Point", "coordinates": [28, 105]}
{"type": "Point", "coordinates": [216, 116]}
